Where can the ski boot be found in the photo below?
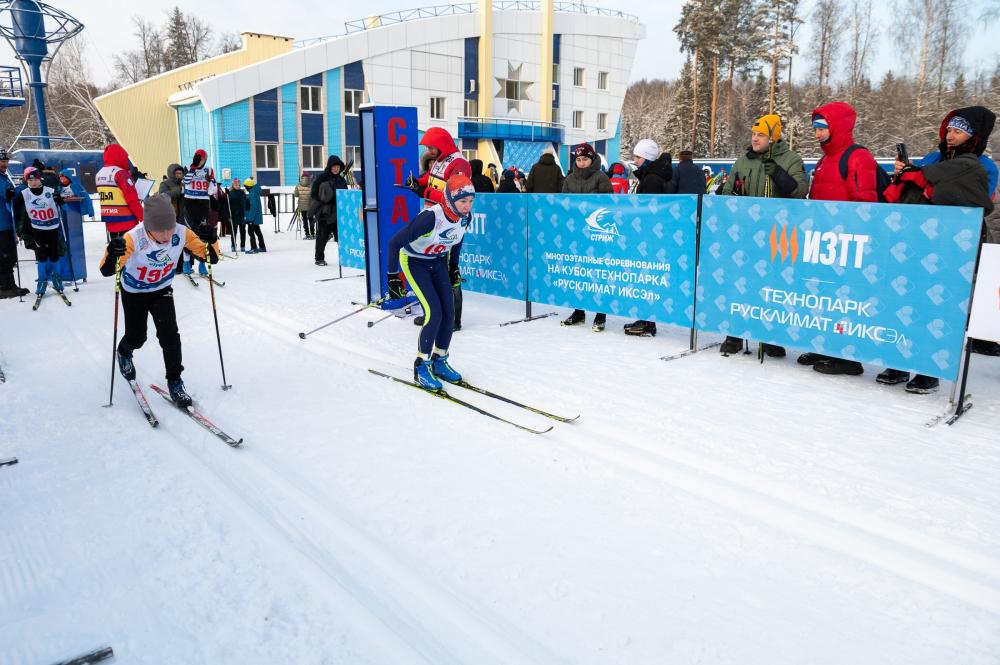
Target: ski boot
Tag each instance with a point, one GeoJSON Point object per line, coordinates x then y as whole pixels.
{"type": "Point", "coordinates": [772, 350]}
{"type": "Point", "coordinates": [57, 282]}
{"type": "Point", "coordinates": [13, 292]}
{"type": "Point", "coordinates": [576, 317]}
{"type": "Point", "coordinates": [262, 250]}
{"type": "Point", "coordinates": [42, 285]}
{"type": "Point", "coordinates": [922, 385]}
{"type": "Point", "coordinates": [731, 346]}
{"type": "Point", "coordinates": [835, 366]}
{"type": "Point", "coordinates": [810, 358]}
{"type": "Point", "coordinates": [187, 268]}
{"type": "Point", "coordinates": [321, 263]}
{"type": "Point", "coordinates": [202, 269]}
{"type": "Point", "coordinates": [423, 375]}
{"type": "Point", "coordinates": [891, 377]}
{"type": "Point", "coordinates": [641, 329]}
{"type": "Point", "coordinates": [179, 394]}
{"type": "Point", "coordinates": [126, 366]}
{"type": "Point", "coordinates": [443, 370]}
{"type": "Point", "coordinates": [599, 321]}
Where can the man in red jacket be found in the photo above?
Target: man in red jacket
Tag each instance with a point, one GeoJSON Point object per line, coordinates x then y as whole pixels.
{"type": "Point", "coordinates": [448, 161]}
{"type": "Point", "coordinates": [833, 125]}
{"type": "Point", "coordinates": [120, 206]}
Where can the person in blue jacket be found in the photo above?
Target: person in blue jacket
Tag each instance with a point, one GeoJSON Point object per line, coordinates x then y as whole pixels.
{"type": "Point", "coordinates": [8, 238]}
{"type": "Point", "coordinates": [427, 249]}
{"type": "Point", "coordinates": [69, 182]}
{"type": "Point", "coordinates": [254, 216]}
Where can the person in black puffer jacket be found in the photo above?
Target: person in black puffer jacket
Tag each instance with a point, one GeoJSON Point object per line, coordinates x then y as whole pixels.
{"type": "Point", "coordinates": [323, 204]}
{"type": "Point", "coordinates": [546, 177]}
{"type": "Point", "coordinates": [586, 178]}
{"type": "Point", "coordinates": [655, 177]}
{"type": "Point", "coordinates": [482, 183]}
{"type": "Point", "coordinates": [654, 170]}
{"type": "Point", "coordinates": [953, 177]}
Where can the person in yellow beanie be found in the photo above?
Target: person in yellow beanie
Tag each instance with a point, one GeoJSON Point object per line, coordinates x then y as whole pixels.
{"type": "Point", "coordinates": [768, 169]}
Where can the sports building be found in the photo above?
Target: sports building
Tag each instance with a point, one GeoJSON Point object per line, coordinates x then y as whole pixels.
{"type": "Point", "coordinates": [509, 80]}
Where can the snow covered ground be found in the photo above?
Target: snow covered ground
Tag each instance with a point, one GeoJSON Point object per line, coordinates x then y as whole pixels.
{"type": "Point", "coordinates": [706, 510]}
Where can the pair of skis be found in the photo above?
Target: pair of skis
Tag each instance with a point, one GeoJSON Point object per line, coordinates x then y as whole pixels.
{"type": "Point", "coordinates": [195, 283]}
{"type": "Point", "coordinates": [482, 391]}
{"type": "Point", "coordinates": [191, 411]}
{"type": "Point", "coordinates": [38, 300]}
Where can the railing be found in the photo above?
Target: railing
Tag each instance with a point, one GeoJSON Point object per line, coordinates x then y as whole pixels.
{"type": "Point", "coordinates": [509, 128]}
{"type": "Point", "coordinates": [380, 20]}
{"type": "Point", "coordinates": [11, 87]}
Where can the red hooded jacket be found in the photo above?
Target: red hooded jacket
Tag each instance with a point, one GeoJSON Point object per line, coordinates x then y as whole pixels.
{"type": "Point", "coordinates": [450, 162]}
{"type": "Point", "coordinates": [827, 185]}
{"type": "Point", "coordinates": [116, 219]}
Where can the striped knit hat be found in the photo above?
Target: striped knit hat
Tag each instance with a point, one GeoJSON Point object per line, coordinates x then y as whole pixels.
{"type": "Point", "coordinates": [457, 188]}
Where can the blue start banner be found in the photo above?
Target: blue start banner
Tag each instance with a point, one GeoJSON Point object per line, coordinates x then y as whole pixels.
{"type": "Point", "coordinates": [631, 256]}
{"type": "Point", "coordinates": [494, 250]}
{"type": "Point", "coordinates": [878, 283]}
{"type": "Point", "coordinates": [350, 232]}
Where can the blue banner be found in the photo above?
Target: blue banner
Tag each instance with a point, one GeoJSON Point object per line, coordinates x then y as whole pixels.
{"type": "Point", "coordinates": [878, 283]}
{"type": "Point", "coordinates": [350, 231]}
{"type": "Point", "coordinates": [625, 255]}
{"type": "Point", "coordinates": [494, 250]}
{"type": "Point", "coordinates": [389, 155]}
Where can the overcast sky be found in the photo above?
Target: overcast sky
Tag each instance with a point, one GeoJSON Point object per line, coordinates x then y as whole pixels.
{"type": "Point", "coordinates": [108, 28]}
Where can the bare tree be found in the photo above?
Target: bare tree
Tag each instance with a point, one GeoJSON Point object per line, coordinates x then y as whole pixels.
{"type": "Point", "coordinates": [199, 38]}
{"type": "Point", "coordinates": [71, 95]}
{"type": "Point", "coordinates": [147, 60]}
{"type": "Point", "coordinates": [229, 42]}
{"type": "Point", "coordinates": [826, 20]}
{"type": "Point", "coordinates": [861, 35]}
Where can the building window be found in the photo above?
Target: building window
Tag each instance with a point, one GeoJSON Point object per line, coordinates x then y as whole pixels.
{"type": "Point", "coordinates": [437, 108]}
{"type": "Point", "coordinates": [602, 122]}
{"type": "Point", "coordinates": [353, 99]}
{"type": "Point", "coordinates": [309, 98]}
{"type": "Point", "coordinates": [555, 72]}
{"type": "Point", "coordinates": [578, 77]}
{"type": "Point", "coordinates": [469, 154]}
{"type": "Point", "coordinates": [471, 108]}
{"type": "Point", "coordinates": [555, 115]}
{"type": "Point", "coordinates": [602, 80]}
{"type": "Point", "coordinates": [312, 157]}
{"type": "Point", "coordinates": [352, 157]}
{"type": "Point", "coordinates": [267, 155]}
{"type": "Point", "coordinates": [577, 119]}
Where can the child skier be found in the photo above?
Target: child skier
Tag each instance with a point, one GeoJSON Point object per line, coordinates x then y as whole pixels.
{"type": "Point", "coordinates": [147, 257]}
{"type": "Point", "coordinates": [38, 223]}
{"type": "Point", "coordinates": [427, 249]}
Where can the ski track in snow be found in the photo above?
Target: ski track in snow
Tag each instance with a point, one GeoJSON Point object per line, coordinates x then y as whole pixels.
{"type": "Point", "coordinates": [779, 486]}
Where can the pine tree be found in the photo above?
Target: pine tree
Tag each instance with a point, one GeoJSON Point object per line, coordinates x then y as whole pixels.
{"type": "Point", "coordinates": [178, 51]}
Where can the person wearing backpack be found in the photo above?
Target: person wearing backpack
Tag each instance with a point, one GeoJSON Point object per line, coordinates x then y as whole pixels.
{"type": "Point", "coordinates": [845, 172]}
{"type": "Point", "coordinates": [323, 204]}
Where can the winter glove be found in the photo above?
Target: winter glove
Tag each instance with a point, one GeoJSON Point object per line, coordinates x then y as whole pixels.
{"type": "Point", "coordinates": [9, 194]}
{"type": "Point", "coordinates": [58, 199]}
{"type": "Point", "coordinates": [455, 275]}
{"type": "Point", "coordinates": [785, 183]}
{"type": "Point", "coordinates": [29, 242]}
{"type": "Point", "coordinates": [414, 186]}
{"type": "Point", "coordinates": [116, 248]}
{"type": "Point", "coordinates": [396, 288]}
{"type": "Point", "coordinates": [207, 234]}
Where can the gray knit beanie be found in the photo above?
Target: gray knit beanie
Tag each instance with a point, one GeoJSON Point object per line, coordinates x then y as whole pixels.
{"type": "Point", "coordinates": [158, 214]}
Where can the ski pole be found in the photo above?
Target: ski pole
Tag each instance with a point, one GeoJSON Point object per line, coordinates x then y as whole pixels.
{"type": "Point", "coordinates": [408, 310]}
{"type": "Point", "coordinates": [17, 259]}
{"type": "Point", "coordinates": [69, 250]}
{"type": "Point", "coordinates": [303, 335]}
{"type": "Point", "coordinates": [114, 342]}
{"type": "Point", "coordinates": [215, 316]}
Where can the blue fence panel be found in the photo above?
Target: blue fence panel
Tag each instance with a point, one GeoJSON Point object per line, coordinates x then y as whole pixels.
{"type": "Point", "coordinates": [624, 255]}
{"type": "Point", "coordinates": [494, 250]}
{"type": "Point", "coordinates": [878, 283]}
{"type": "Point", "coordinates": [350, 232]}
